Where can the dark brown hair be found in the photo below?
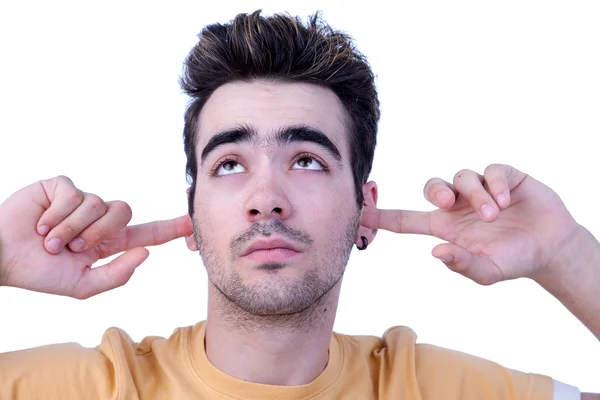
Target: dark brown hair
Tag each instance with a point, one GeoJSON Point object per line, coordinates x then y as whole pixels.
{"type": "Point", "coordinates": [282, 48]}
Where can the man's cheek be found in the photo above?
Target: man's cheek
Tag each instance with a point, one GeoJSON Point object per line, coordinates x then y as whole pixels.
{"type": "Point", "coordinates": [211, 201]}
{"type": "Point", "coordinates": [328, 204]}
{"type": "Point", "coordinates": [204, 217]}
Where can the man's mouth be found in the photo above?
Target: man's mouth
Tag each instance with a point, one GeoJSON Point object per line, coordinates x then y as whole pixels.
{"type": "Point", "coordinates": [271, 251]}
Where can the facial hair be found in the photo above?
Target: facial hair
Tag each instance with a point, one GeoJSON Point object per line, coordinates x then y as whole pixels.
{"type": "Point", "coordinates": [274, 299]}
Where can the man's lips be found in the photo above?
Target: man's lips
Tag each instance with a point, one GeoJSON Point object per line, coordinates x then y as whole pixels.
{"type": "Point", "coordinates": [273, 250]}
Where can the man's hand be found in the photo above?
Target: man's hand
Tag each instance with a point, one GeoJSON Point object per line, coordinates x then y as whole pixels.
{"type": "Point", "coordinates": [499, 226]}
{"type": "Point", "coordinates": [51, 233]}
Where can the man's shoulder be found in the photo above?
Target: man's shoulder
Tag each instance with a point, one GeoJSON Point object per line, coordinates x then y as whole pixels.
{"type": "Point", "coordinates": [115, 340]}
{"type": "Point", "coordinates": [393, 339]}
{"type": "Point", "coordinates": [50, 371]}
{"type": "Point", "coordinates": [437, 371]}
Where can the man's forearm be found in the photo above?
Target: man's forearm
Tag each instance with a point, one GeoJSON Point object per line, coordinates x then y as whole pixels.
{"type": "Point", "coordinates": [574, 279]}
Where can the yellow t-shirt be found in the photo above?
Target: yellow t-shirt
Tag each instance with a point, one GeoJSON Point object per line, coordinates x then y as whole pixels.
{"type": "Point", "coordinates": [360, 367]}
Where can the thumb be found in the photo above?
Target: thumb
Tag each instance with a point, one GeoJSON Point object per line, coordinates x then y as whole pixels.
{"type": "Point", "coordinates": [112, 275]}
{"type": "Point", "coordinates": [476, 267]}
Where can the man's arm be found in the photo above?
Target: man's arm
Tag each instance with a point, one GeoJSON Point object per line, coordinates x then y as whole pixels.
{"type": "Point", "coordinates": [575, 282]}
{"type": "Point", "coordinates": [574, 279]}
{"type": "Point", "coordinates": [31, 222]}
{"type": "Point", "coordinates": [51, 233]}
{"type": "Point", "coordinates": [506, 225]}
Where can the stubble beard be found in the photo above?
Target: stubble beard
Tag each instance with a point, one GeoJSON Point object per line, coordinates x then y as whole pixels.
{"type": "Point", "coordinates": [275, 300]}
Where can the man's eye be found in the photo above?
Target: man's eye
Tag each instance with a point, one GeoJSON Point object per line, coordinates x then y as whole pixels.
{"type": "Point", "coordinates": [309, 163]}
{"type": "Point", "coordinates": [229, 167]}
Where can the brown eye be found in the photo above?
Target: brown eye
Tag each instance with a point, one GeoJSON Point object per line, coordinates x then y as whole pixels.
{"type": "Point", "coordinates": [305, 162]}
{"type": "Point", "coordinates": [308, 163]}
{"type": "Point", "coordinates": [229, 165]}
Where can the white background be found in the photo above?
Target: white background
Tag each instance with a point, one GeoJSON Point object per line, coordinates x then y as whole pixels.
{"type": "Point", "coordinates": [90, 90]}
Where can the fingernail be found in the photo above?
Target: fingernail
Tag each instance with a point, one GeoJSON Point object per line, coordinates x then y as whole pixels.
{"type": "Point", "coordinates": [54, 245]}
{"type": "Point", "coordinates": [43, 230]}
{"type": "Point", "coordinates": [501, 199]}
{"type": "Point", "coordinates": [441, 196]}
{"type": "Point", "coordinates": [446, 258]}
{"type": "Point", "coordinates": [487, 210]}
{"type": "Point", "coordinates": [77, 244]}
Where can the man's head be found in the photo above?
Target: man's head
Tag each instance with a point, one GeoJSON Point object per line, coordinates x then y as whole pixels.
{"type": "Point", "coordinates": [279, 138]}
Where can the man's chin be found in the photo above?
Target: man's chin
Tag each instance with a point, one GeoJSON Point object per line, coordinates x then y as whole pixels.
{"type": "Point", "coordinates": [272, 303]}
{"type": "Point", "coordinates": [271, 267]}
{"type": "Point", "coordinates": [274, 295]}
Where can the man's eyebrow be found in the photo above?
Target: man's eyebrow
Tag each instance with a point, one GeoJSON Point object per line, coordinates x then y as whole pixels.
{"type": "Point", "coordinates": [289, 134]}
{"type": "Point", "coordinates": [303, 133]}
{"type": "Point", "coordinates": [242, 133]}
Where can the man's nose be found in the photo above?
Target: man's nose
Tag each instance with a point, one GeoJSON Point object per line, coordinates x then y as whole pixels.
{"type": "Point", "coordinates": [268, 200]}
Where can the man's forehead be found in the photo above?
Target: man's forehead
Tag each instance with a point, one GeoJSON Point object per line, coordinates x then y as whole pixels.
{"type": "Point", "coordinates": [268, 107]}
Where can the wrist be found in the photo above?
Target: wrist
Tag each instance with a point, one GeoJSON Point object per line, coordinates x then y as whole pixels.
{"type": "Point", "coordinates": [576, 262]}
{"type": "Point", "coordinates": [573, 277]}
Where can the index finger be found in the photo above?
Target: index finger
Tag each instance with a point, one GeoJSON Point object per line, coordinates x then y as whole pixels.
{"type": "Point", "coordinates": [150, 234]}
{"type": "Point", "coordinates": [399, 221]}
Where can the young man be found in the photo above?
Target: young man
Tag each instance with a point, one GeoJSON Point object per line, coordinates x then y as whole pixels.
{"type": "Point", "coordinates": [280, 137]}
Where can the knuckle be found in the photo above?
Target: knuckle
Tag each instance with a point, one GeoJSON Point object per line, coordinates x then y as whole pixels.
{"type": "Point", "coordinates": [400, 221]}
{"type": "Point", "coordinates": [93, 237]}
{"type": "Point", "coordinates": [462, 174]}
{"type": "Point", "coordinates": [76, 196]}
{"type": "Point", "coordinates": [495, 185]}
{"type": "Point", "coordinates": [486, 281]}
{"type": "Point", "coordinates": [63, 179]}
{"type": "Point", "coordinates": [83, 295]}
{"type": "Point", "coordinates": [494, 168]}
{"type": "Point", "coordinates": [511, 171]}
{"type": "Point", "coordinates": [490, 169]}
{"type": "Point", "coordinates": [96, 203]}
{"type": "Point", "coordinates": [124, 209]}
{"type": "Point", "coordinates": [79, 296]}
{"type": "Point", "coordinates": [66, 230]}
{"type": "Point", "coordinates": [480, 198]}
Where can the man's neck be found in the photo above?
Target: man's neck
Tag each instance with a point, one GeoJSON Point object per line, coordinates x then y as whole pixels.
{"type": "Point", "coordinates": [287, 350]}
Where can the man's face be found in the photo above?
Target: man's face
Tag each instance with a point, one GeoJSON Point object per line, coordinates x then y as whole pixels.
{"type": "Point", "coordinates": [275, 213]}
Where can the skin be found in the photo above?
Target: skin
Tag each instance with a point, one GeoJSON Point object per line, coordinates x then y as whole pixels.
{"type": "Point", "coordinates": [272, 319]}
{"type": "Point", "coordinates": [55, 209]}
{"type": "Point", "coordinates": [529, 233]}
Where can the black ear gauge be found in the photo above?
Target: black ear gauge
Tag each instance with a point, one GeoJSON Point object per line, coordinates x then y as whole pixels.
{"type": "Point", "coordinates": [365, 243]}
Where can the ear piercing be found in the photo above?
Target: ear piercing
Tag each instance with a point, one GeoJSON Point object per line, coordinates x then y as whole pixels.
{"type": "Point", "coordinates": [365, 243]}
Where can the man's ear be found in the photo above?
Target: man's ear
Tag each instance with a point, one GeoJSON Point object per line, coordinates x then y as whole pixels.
{"type": "Point", "coordinates": [370, 200]}
{"type": "Point", "coordinates": [190, 241]}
